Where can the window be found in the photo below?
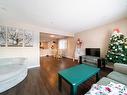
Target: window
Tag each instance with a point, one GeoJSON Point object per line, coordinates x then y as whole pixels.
{"type": "Point", "coordinates": [62, 44]}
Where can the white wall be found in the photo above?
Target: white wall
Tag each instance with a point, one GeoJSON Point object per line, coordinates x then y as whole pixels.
{"type": "Point", "coordinates": [32, 53]}
{"type": "Point", "coordinates": [70, 47]}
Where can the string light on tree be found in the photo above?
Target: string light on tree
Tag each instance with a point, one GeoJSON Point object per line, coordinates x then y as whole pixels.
{"type": "Point", "coordinates": [116, 51]}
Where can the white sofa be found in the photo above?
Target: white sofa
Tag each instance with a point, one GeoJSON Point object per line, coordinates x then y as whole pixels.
{"type": "Point", "coordinates": [12, 72]}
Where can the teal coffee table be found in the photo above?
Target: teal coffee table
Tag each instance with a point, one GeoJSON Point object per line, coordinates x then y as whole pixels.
{"type": "Point", "coordinates": [77, 75]}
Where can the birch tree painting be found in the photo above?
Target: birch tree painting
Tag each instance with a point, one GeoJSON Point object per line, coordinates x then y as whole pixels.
{"type": "Point", "coordinates": [28, 39]}
{"type": "Point", "coordinates": [14, 37]}
{"type": "Point", "coordinates": [2, 36]}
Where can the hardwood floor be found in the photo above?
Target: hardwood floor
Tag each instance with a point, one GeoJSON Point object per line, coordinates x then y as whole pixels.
{"type": "Point", "coordinates": [43, 80]}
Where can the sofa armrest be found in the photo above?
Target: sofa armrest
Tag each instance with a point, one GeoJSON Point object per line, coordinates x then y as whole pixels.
{"type": "Point", "coordinates": [122, 68]}
{"type": "Point", "coordinates": [13, 60]}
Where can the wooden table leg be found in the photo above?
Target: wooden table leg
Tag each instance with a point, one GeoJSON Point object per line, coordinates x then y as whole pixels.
{"type": "Point", "coordinates": [99, 63]}
{"type": "Point", "coordinates": [59, 83]}
{"type": "Point", "coordinates": [73, 90]}
{"type": "Point", "coordinates": [103, 62]}
{"type": "Point", "coordinates": [80, 59]}
{"type": "Point", "coordinates": [97, 77]}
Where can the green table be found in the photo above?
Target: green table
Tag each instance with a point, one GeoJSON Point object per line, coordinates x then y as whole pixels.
{"type": "Point", "coordinates": [77, 75]}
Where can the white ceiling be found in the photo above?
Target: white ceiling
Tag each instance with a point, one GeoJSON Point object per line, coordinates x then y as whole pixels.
{"type": "Point", "coordinates": [63, 15]}
{"type": "Point", "coordinates": [46, 37]}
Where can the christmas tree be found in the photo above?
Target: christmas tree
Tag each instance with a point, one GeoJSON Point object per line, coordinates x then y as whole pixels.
{"type": "Point", "coordinates": [116, 51]}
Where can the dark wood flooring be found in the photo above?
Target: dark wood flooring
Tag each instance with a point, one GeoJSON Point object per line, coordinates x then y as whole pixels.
{"type": "Point", "coordinates": [43, 80]}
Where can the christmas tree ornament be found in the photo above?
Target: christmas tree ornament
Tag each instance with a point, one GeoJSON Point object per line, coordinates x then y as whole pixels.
{"type": "Point", "coordinates": [116, 30]}
{"type": "Point", "coordinates": [110, 58]}
{"type": "Point", "coordinates": [117, 43]}
{"type": "Point", "coordinates": [122, 54]}
{"type": "Point", "coordinates": [79, 43]}
{"type": "Point", "coordinates": [124, 59]}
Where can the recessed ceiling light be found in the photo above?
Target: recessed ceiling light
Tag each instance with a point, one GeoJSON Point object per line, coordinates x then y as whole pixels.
{"type": "Point", "coordinates": [2, 8]}
{"type": "Point", "coordinates": [52, 35]}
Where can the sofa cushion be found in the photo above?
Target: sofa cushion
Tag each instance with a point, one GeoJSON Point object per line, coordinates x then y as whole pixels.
{"type": "Point", "coordinates": [16, 60]}
{"type": "Point", "coordinates": [111, 89]}
{"type": "Point", "coordinates": [11, 70]}
{"type": "Point", "coordinates": [105, 81]}
{"type": "Point", "coordinates": [122, 78]}
{"type": "Point", "coordinates": [122, 68]}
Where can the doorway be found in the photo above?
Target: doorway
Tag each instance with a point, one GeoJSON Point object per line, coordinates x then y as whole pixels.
{"type": "Point", "coordinates": [50, 45]}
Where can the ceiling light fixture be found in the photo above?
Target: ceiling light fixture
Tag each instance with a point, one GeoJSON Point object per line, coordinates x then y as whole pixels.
{"type": "Point", "coordinates": [2, 10]}
{"type": "Point", "coordinates": [52, 35]}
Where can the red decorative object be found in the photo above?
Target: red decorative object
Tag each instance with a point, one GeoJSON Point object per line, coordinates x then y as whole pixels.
{"type": "Point", "coordinates": [52, 47]}
{"type": "Point", "coordinates": [79, 43]}
{"type": "Point", "coordinates": [117, 30]}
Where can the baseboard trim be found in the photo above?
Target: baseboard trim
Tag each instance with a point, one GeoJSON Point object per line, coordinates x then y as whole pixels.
{"type": "Point", "coordinates": [69, 57]}
{"type": "Point", "coordinates": [29, 67]}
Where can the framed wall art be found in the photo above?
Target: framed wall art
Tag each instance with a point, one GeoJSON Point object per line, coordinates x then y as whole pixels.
{"type": "Point", "coordinates": [28, 39]}
{"type": "Point", "coordinates": [14, 37]}
{"type": "Point", "coordinates": [2, 36]}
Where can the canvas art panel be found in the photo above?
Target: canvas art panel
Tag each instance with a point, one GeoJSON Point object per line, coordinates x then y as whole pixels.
{"type": "Point", "coordinates": [2, 36]}
{"type": "Point", "coordinates": [14, 37]}
{"type": "Point", "coordinates": [28, 39]}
